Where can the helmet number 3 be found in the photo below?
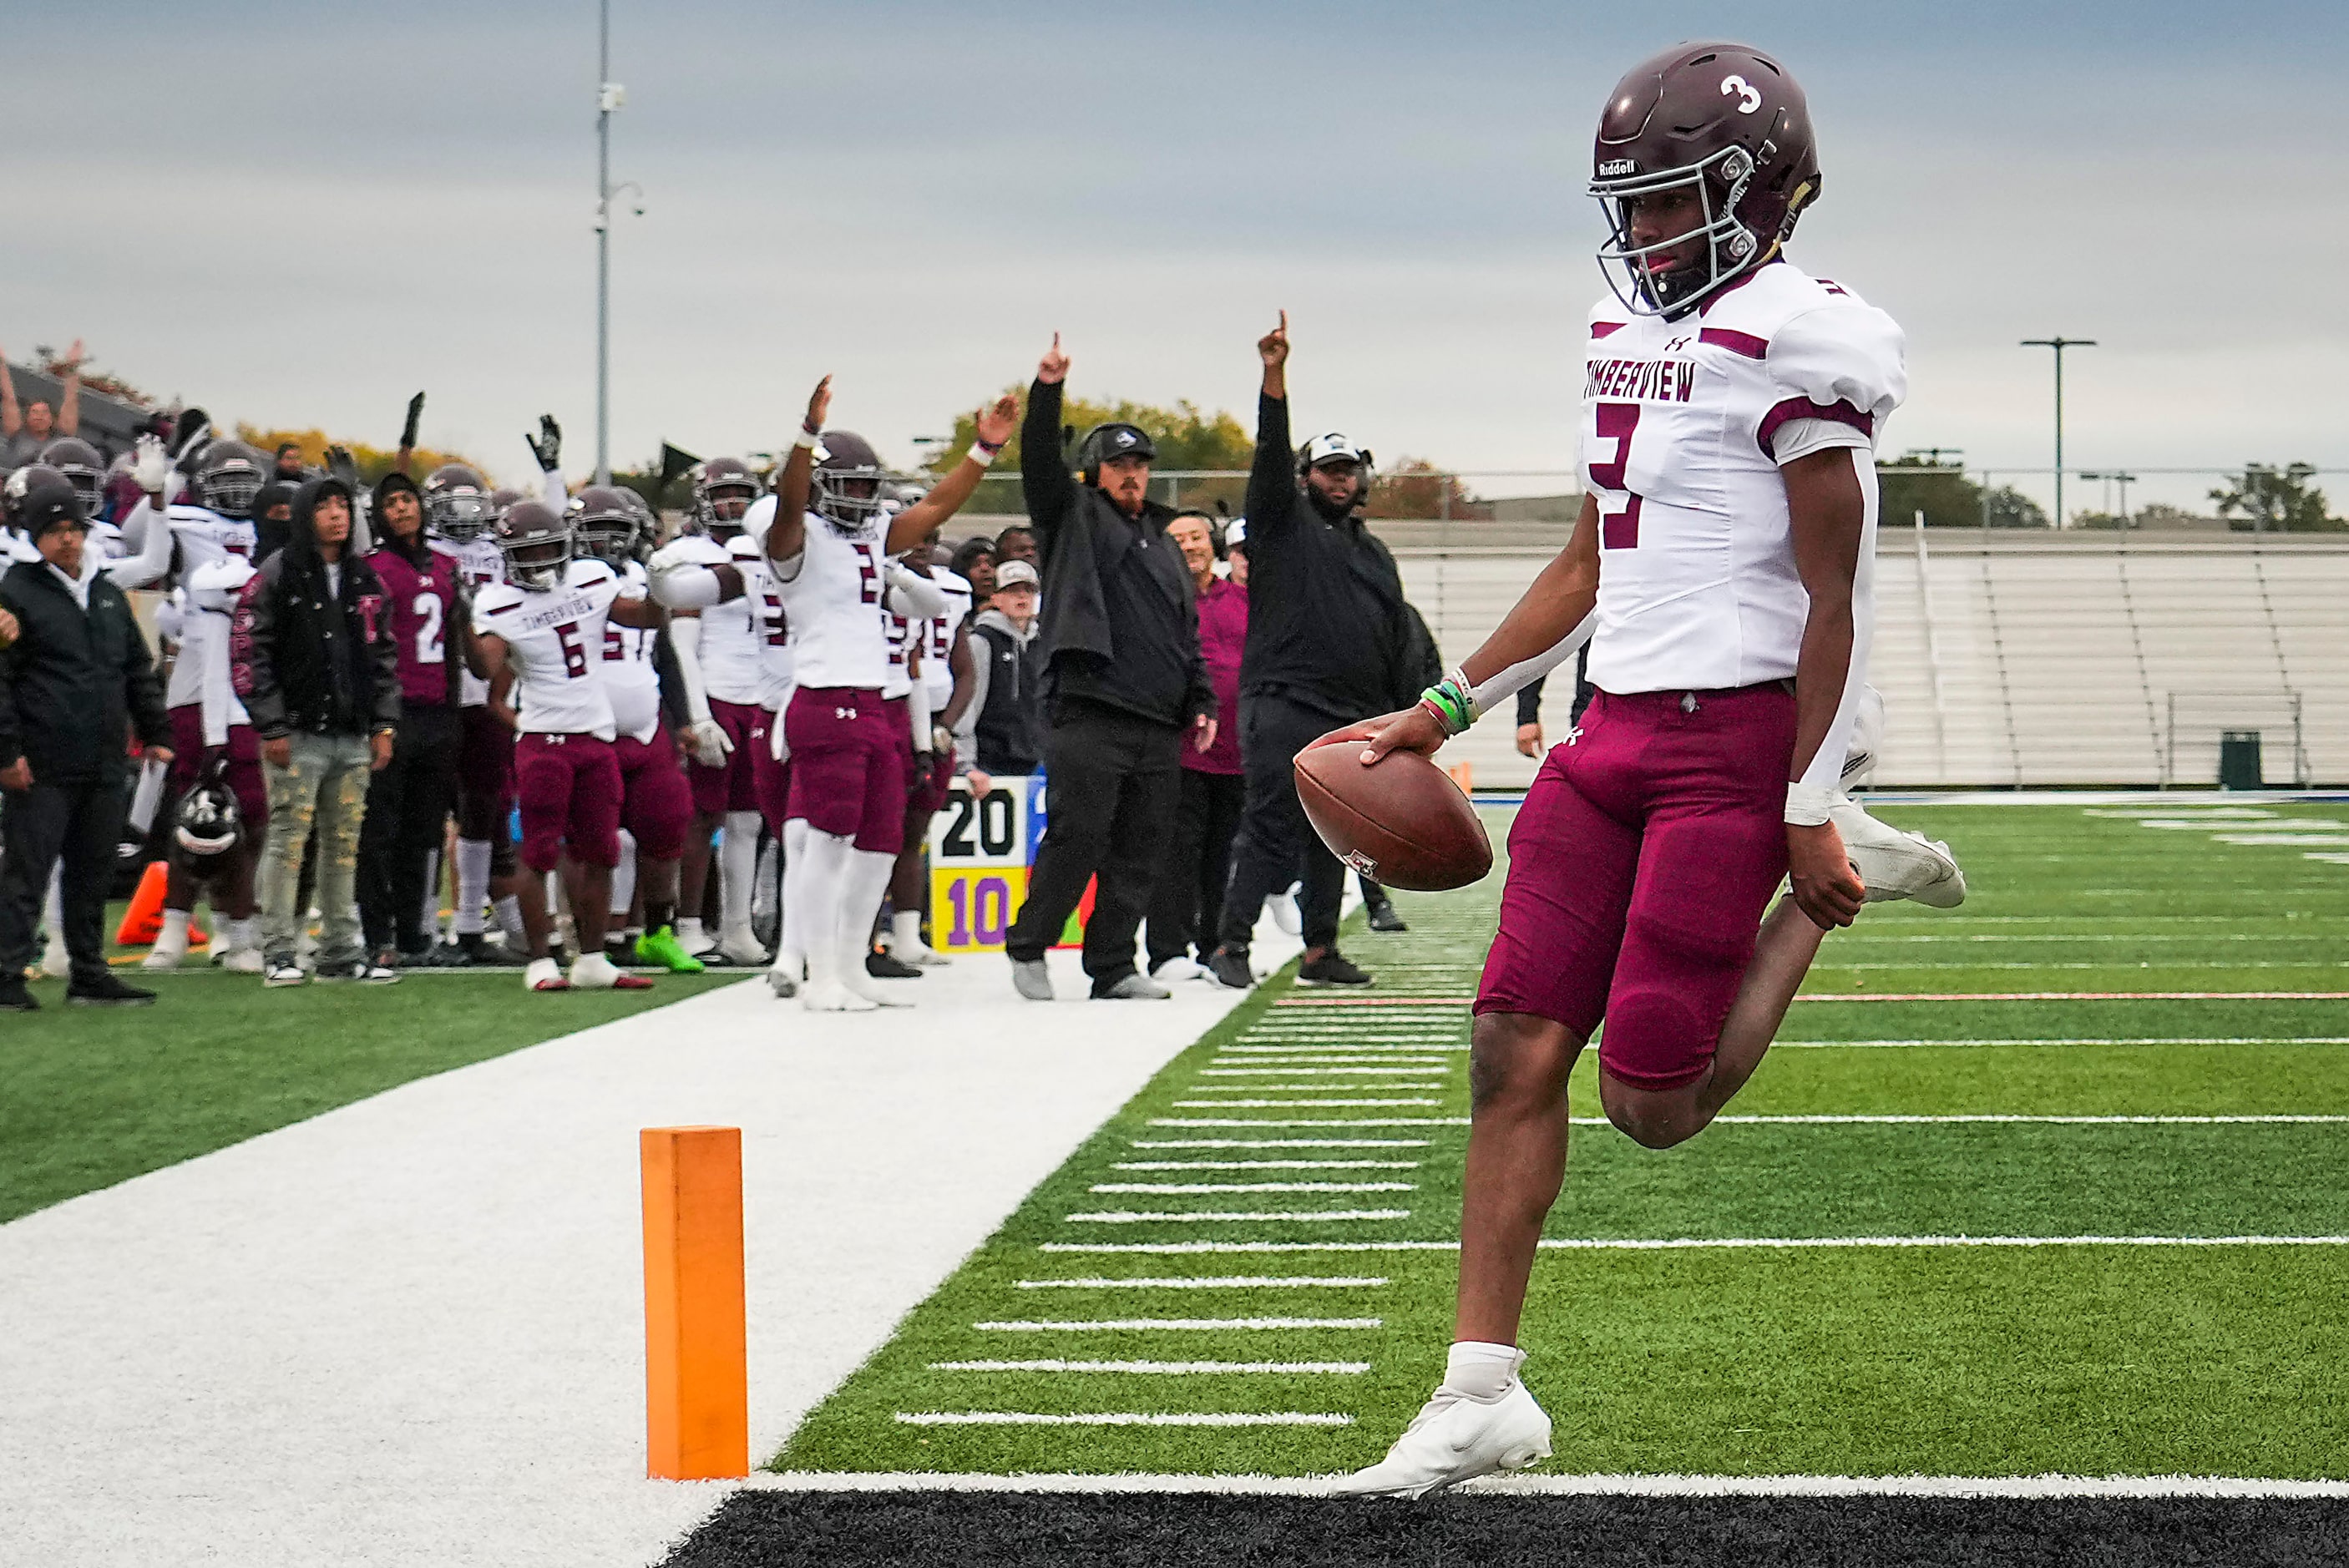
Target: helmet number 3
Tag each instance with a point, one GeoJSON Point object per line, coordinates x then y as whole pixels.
{"type": "Point", "coordinates": [1618, 528]}
{"type": "Point", "coordinates": [1749, 97]}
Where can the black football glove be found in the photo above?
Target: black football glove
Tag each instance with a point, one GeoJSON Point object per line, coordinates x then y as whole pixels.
{"type": "Point", "coordinates": [415, 417]}
{"type": "Point", "coordinates": [548, 447]}
{"type": "Point", "coordinates": [344, 466]}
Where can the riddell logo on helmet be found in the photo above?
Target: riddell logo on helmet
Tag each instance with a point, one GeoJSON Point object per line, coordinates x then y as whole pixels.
{"type": "Point", "coordinates": [1618, 166]}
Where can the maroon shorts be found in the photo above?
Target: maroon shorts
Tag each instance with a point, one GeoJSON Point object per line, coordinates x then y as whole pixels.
{"type": "Point", "coordinates": [241, 773]}
{"type": "Point", "coordinates": [654, 803]}
{"type": "Point", "coordinates": [485, 775]}
{"type": "Point", "coordinates": [735, 787]}
{"type": "Point", "coordinates": [847, 778]}
{"type": "Point", "coordinates": [1640, 866]}
{"type": "Point", "coordinates": [771, 779]}
{"type": "Point", "coordinates": [570, 789]}
{"type": "Point", "coordinates": [918, 778]}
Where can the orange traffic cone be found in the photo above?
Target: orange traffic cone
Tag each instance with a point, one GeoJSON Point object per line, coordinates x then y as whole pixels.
{"type": "Point", "coordinates": [143, 921]}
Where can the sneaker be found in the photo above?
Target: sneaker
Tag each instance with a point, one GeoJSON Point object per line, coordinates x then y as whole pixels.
{"type": "Point", "coordinates": [740, 948]}
{"type": "Point", "coordinates": [282, 972]}
{"type": "Point", "coordinates": [1132, 988]}
{"type": "Point", "coordinates": [1285, 912]}
{"type": "Point", "coordinates": [594, 972]}
{"type": "Point", "coordinates": [1031, 979]}
{"type": "Point", "coordinates": [242, 961]}
{"type": "Point", "coordinates": [545, 975]}
{"type": "Point", "coordinates": [1174, 970]}
{"type": "Point", "coordinates": [661, 950]}
{"type": "Point", "coordinates": [168, 949]}
{"type": "Point", "coordinates": [364, 971]}
{"type": "Point", "coordinates": [1867, 738]}
{"type": "Point", "coordinates": [1230, 965]}
{"type": "Point", "coordinates": [1329, 969]}
{"type": "Point", "coordinates": [835, 997]}
{"type": "Point", "coordinates": [56, 961]}
{"type": "Point", "coordinates": [1897, 865]}
{"type": "Point", "coordinates": [15, 997]}
{"type": "Point", "coordinates": [889, 966]}
{"type": "Point", "coordinates": [475, 950]}
{"type": "Point", "coordinates": [1384, 918]}
{"type": "Point", "coordinates": [1453, 1439]}
{"type": "Point", "coordinates": [106, 991]}
{"type": "Point", "coordinates": [783, 976]}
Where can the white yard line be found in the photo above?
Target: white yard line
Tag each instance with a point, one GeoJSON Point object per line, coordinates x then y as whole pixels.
{"type": "Point", "coordinates": [1277, 1142]}
{"type": "Point", "coordinates": [1213, 1282]}
{"type": "Point", "coordinates": [411, 1330]}
{"type": "Point", "coordinates": [1697, 1243]}
{"type": "Point", "coordinates": [1165, 1368]}
{"type": "Point", "coordinates": [1539, 1485]}
{"type": "Point", "coordinates": [1172, 1325]}
{"type": "Point", "coordinates": [1253, 1187]}
{"type": "Point", "coordinates": [1119, 1418]}
{"type": "Point", "coordinates": [1253, 1216]}
{"type": "Point", "coordinates": [1286, 1070]}
{"type": "Point", "coordinates": [1299, 1104]}
{"type": "Point", "coordinates": [2072, 1041]}
{"type": "Point", "coordinates": [1264, 1165]}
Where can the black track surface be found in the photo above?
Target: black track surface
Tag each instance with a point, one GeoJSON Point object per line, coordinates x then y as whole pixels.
{"type": "Point", "coordinates": [968, 1530]}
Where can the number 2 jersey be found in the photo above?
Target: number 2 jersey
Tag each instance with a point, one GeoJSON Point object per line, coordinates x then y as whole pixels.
{"type": "Point", "coordinates": [1684, 424]}
{"type": "Point", "coordinates": [554, 643]}
{"type": "Point", "coordinates": [832, 592]}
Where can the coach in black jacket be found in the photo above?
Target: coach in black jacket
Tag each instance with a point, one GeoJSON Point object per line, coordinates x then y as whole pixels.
{"type": "Point", "coordinates": [317, 669]}
{"type": "Point", "coordinates": [1124, 686]}
{"type": "Point", "coordinates": [76, 681]}
{"type": "Point", "coordinates": [1330, 640]}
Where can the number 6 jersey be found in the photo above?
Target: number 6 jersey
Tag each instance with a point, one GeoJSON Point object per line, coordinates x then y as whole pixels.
{"type": "Point", "coordinates": [1685, 423]}
{"type": "Point", "coordinates": [555, 642]}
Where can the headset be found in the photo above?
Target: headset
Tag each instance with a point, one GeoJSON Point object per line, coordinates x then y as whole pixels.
{"type": "Point", "coordinates": [1114, 439]}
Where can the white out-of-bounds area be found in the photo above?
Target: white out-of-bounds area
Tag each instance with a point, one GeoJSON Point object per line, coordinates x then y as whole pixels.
{"type": "Point", "coordinates": [411, 1330]}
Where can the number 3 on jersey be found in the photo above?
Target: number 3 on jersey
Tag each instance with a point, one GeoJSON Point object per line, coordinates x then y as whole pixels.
{"type": "Point", "coordinates": [1619, 529]}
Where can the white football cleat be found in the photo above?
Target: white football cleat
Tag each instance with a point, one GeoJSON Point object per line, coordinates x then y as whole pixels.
{"type": "Point", "coordinates": [170, 946]}
{"type": "Point", "coordinates": [1453, 1439]}
{"type": "Point", "coordinates": [740, 945]}
{"type": "Point", "coordinates": [1285, 912]}
{"type": "Point", "coordinates": [1895, 865]}
{"type": "Point", "coordinates": [784, 976]}
{"type": "Point", "coordinates": [56, 961]}
{"type": "Point", "coordinates": [240, 961]}
{"type": "Point", "coordinates": [1176, 970]}
{"type": "Point", "coordinates": [832, 997]}
{"type": "Point", "coordinates": [545, 975]}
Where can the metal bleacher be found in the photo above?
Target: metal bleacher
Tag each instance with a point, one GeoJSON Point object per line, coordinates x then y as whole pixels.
{"type": "Point", "coordinates": [2012, 659]}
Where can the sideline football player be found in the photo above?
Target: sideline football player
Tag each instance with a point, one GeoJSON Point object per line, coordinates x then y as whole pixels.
{"type": "Point", "coordinates": [1722, 571]}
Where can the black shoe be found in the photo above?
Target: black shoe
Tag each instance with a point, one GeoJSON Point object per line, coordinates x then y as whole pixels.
{"type": "Point", "coordinates": [1329, 969]}
{"type": "Point", "coordinates": [476, 950]}
{"type": "Point", "coordinates": [1384, 918]}
{"type": "Point", "coordinates": [889, 966]}
{"type": "Point", "coordinates": [106, 991]}
{"type": "Point", "coordinates": [15, 997]}
{"type": "Point", "coordinates": [1230, 967]}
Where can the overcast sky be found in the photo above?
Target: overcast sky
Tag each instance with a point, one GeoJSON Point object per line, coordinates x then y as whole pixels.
{"type": "Point", "coordinates": [299, 214]}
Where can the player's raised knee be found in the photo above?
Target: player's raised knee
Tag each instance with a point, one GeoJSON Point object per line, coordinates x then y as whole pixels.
{"type": "Point", "coordinates": [1517, 1058]}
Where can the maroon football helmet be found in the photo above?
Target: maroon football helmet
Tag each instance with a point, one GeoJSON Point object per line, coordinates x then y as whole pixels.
{"type": "Point", "coordinates": [606, 521]}
{"type": "Point", "coordinates": [457, 502]}
{"type": "Point", "coordinates": [539, 544]}
{"type": "Point", "coordinates": [724, 490]}
{"type": "Point", "coordinates": [1726, 121]}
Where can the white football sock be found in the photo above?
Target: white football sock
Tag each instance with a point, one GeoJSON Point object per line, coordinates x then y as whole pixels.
{"type": "Point", "coordinates": [1480, 1371]}
{"type": "Point", "coordinates": [812, 903]}
{"type": "Point", "coordinates": [509, 910]}
{"type": "Point", "coordinates": [905, 933]}
{"type": "Point", "coordinates": [428, 913]}
{"type": "Point", "coordinates": [53, 910]}
{"type": "Point", "coordinates": [624, 876]}
{"type": "Point", "coordinates": [763, 890]}
{"type": "Point", "coordinates": [689, 934]}
{"type": "Point", "coordinates": [862, 891]}
{"type": "Point", "coordinates": [472, 885]}
{"type": "Point", "coordinates": [737, 864]}
{"type": "Point", "coordinates": [790, 952]}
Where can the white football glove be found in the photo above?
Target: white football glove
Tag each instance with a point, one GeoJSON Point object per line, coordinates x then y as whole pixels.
{"type": "Point", "coordinates": [150, 465]}
{"type": "Point", "coordinates": [941, 740]}
{"type": "Point", "coordinates": [711, 742]}
{"type": "Point", "coordinates": [777, 747]}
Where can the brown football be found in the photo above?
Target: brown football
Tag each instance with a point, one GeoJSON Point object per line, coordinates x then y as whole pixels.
{"type": "Point", "coordinates": [1402, 823]}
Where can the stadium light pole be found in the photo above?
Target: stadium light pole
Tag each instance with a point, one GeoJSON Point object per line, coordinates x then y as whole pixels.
{"type": "Point", "coordinates": [2059, 343]}
{"type": "Point", "coordinates": [609, 96]}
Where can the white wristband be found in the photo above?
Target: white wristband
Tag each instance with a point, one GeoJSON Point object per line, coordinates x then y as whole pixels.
{"type": "Point", "coordinates": [807, 438]}
{"type": "Point", "coordinates": [983, 455]}
{"type": "Point", "coordinates": [1807, 804]}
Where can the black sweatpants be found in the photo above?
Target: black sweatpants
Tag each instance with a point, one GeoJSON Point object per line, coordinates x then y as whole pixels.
{"type": "Point", "coordinates": [408, 805]}
{"type": "Point", "coordinates": [1113, 779]}
{"type": "Point", "coordinates": [77, 823]}
{"type": "Point", "coordinates": [1276, 845]}
{"type": "Point", "coordinates": [1189, 906]}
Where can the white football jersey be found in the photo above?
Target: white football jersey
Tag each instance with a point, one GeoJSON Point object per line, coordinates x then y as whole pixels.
{"type": "Point", "coordinates": [1681, 436]}
{"type": "Point", "coordinates": [938, 637]}
{"type": "Point", "coordinates": [840, 634]}
{"type": "Point", "coordinates": [740, 638]}
{"type": "Point", "coordinates": [479, 564]}
{"type": "Point", "coordinates": [631, 678]}
{"type": "Point", "coordinates": [554, 640]}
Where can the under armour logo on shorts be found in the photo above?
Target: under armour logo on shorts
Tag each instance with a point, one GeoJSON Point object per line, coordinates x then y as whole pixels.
{"type": "Point", "coordinates": [843, 713]}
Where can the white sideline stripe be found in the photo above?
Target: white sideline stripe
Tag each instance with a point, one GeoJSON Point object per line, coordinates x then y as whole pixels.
{"type": "Point", "coordinates": [2044, 937]}
{"type": "Point", "coordinates": [1431, 1080]}
{"type": "Point", "coordinates": [1438, 1070]}
{"type": "Point", "coordinates": [1538, 1485]}
{"type": "Point", "coordinates": [1106, 1419]}
{"type": "Point", "coordinates": [1266, 1165]}
{"type": "Point", "coordinates": [1215, 1282]}
{"type": "Point", "coordinates": [1160, 1368]}
{"type": "Point", "coordinates": [1336, 1121]}
{"type": "Point", "coordinates": [1296, 1104]}
{"type": "Point", "coordinates": [2072, 1041]}
{"type": "Point", "coordinates": [1253, 1187]}
{"type": "Point", "coordinates": [1284, 1216]}
{"type": "Point", "coordinates": [1279, 1142]}
{"type": "Point", "coordinates": [1187, 1325]}
{"type": "Point", "coordinates": [1695, 1243]}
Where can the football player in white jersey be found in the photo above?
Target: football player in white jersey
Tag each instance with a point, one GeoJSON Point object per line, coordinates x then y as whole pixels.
{"type": "Point", "coordinates": [1721, 571]}
{"type": "Point", "coordinates": [540, 633]}
{"type": "Point", "coordinates": [725, 653]}
{"type": "Point", "coordinates": [655, 803]}
{"type": "Point", "coordinates": [937, 653]}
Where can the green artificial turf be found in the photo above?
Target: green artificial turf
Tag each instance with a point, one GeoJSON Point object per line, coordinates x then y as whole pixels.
{"type": "Point", "coordinates": [1983, 1360]}
{"type": "Point", "coordinates": [91, 1095]}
